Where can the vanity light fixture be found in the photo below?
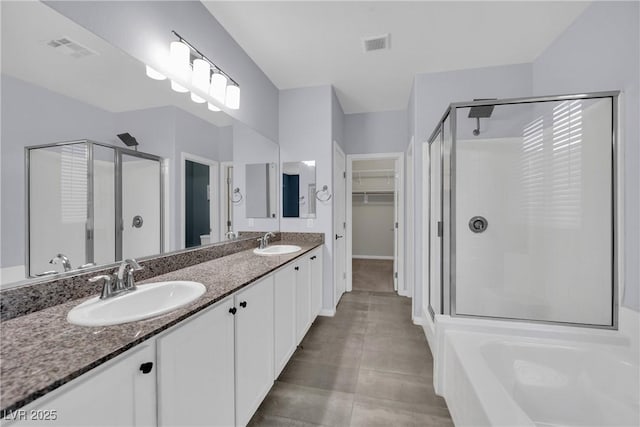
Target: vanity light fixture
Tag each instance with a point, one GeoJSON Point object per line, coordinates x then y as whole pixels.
{"type": "Point", "coordinates": [191, 71]}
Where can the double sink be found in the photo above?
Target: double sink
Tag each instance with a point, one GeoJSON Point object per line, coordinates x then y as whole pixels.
{"type": "Point", "coordinates": [150, 300]}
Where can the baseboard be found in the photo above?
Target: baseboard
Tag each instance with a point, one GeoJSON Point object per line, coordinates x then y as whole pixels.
{"type": "Point", "coordinates": [327, 312]}
{"type": "Point", "coordinates": [404, 293]}
{"type": "Point", "coordinates": [372, 257]}
{"type": "Point", "coordinates": [420, 321]}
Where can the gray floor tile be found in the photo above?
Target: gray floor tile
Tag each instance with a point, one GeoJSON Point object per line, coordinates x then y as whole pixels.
{"type": "Point", "coordinates": [339, 351]}
{"type": "Point", "coordinates": [311, 405]}
{"type": "Point", "coordinates": [319, 375]}
{"type": "Point", "coordinates": [392, 344]}
{"type": "Point", "coordinates": [418, 364]}
{"type": "Point", "coordinates": [399, 387]}
{"type": "Point", "coordinates": [262, 420]}
{"type": "Point", "coordinates": [400, 330]}
{"type": "Point", "coordinates": [376, 412]}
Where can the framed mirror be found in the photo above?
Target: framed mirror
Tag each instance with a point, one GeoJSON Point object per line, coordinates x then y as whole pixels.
{"type": "Point", "coordinates": [299, 189]}
{"type": "Point", "coordinates": [97, 195]}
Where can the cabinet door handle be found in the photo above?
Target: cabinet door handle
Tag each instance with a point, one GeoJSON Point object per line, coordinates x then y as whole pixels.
{"type": "Point", "coordinates": [146, 367]}
{"type": "Point", "coordinates": [313, 257]}
{"type": "Point", "coordinates": [296, 268]}
{"type": "Point", "coordinates": [233, 310]}
{"type": "Point", "coordinates": [243, 304]}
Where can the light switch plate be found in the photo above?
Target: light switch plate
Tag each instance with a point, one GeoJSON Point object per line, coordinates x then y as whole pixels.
{"type": "Point", "coordinates": [310, 223]}
{"type": "Point", "coordinates": [251, 222]}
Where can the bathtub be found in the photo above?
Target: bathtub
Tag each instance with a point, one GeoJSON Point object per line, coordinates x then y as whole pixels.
{"type": "Point", "coordinates": [509, 380]}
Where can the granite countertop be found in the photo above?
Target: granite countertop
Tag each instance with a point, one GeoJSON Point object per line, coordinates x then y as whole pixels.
{"type": "Point", "coordinates": [41, 351]}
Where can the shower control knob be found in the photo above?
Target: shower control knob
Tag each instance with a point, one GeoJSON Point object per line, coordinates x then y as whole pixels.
{"type": "Point", "coordinates": [478, 224]}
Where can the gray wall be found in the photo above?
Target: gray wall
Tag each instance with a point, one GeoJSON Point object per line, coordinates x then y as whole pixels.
{"type": "Point", "coordinates": [306, 133]}
{"type": "Point", "coordinates": [143, 28]}
{"type": "Point", "coordinates": [33, 116]}
{"type": "Point", "coordinates": [601, 51]}
{"type": "Point", "coordinates": [381, 132]}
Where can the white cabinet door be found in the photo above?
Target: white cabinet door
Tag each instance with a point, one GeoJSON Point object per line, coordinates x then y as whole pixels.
{"type": "Point", "coordinates": [316, 282]}
{"type": "Point", "coordinates": [195, 370]}
{"type": "Point", "coordinates": [254, 347]}
{"type": "Point", "coordinates": [116, 394]}
{"type": "Point", "coordinates": [284, 317]}
{"type": "Point", "coordinates": [303, 297]}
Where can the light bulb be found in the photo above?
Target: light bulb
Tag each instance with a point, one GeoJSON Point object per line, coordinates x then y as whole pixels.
{"type": "Point", "coordinates": [154, 74]}
{"type": "Point", "coordinates": [179, 54]}
{"type": "Point", "coordinates": [212, 107]}
{"type": "Point", "coordinates": [233, 97]}
{"type": "Point", "coordinates": [200, 78]}
{"type": "Point", "coordinates": [218, 87]}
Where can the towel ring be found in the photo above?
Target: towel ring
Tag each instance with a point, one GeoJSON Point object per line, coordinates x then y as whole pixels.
{"type": "Point", "coordinates": [236, 197]}
{"type": "Point", "coordinates": [324, 190]}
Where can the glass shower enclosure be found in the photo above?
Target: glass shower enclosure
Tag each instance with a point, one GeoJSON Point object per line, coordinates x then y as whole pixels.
{"type": "Point", "coordinates": [522, 210]}
{"type": "Point", "coordinates": [92, 202]}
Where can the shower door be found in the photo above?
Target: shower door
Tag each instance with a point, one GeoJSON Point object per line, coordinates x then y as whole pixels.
{"type": "Point", "coordinates": [533, 212]}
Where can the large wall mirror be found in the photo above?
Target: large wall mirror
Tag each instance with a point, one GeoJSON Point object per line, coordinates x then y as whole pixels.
{"type": "Point", "coordinates": [76, 194]}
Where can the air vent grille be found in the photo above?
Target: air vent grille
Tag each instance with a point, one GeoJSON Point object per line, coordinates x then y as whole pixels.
{"type": "Point", "coordinates": [376, 43]}
{"type": "Point", "coordinates": [71, 48]}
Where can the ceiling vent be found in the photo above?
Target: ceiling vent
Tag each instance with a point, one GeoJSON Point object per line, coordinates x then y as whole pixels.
{"type": "Point", "coordinates": [71, 48]}
{"type": "Point", "coordinates": [376, 43]}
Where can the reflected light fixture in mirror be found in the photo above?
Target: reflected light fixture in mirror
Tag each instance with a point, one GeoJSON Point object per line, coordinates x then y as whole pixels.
{"type": "Point", "coordinates": [204, 79]}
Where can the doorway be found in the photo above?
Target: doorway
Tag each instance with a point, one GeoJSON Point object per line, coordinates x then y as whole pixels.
{"type": "Point", "coordinates": [375, 211]}
{"type": "Point", "coordinates": [199, 201]}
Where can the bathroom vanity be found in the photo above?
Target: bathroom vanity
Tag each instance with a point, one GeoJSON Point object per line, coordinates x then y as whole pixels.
{"type": "Point", "coordinates": [211, 362]}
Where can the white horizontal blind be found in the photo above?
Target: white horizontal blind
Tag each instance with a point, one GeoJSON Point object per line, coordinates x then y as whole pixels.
{"type": "Point", "coordinates": [73, 183]}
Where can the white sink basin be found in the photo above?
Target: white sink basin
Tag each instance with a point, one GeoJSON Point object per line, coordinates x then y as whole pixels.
{"type": "Point", "coordinates": [146, 301]}
{"type": "Point", "coordinates": [277, 250]}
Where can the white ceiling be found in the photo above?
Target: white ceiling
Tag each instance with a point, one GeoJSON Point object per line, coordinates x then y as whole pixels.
{"type": "Point", "coordinates": [300, 43]}
{"type": "Point", "coordinates": [111, 80]}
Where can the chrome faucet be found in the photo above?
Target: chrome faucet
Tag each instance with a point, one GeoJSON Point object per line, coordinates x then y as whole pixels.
{"type": "Point", "coordinates": [107, 288]}
{"type": "Point", "coordinates": [264, 240]}
{"type": "Point", "coordinates": [66, 264]}
{"type": "Point", "coordinates": [127, 283]}
{"type": "Point", "coordinates": [231, 235]}
{"type": "Point", "coordinates": [118, 283]}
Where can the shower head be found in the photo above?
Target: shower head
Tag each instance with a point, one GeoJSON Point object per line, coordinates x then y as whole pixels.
{"type": "Point", "coordinates": [128, 140]}
{"type": "Point", "coordinates": [480, 112]}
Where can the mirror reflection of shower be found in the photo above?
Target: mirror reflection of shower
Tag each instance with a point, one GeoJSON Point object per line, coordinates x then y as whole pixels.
{"type": "Point", "coordinates": [83, 200]}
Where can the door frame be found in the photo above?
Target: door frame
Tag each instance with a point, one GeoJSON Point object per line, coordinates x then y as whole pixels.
{"type": "Point", "coordinates": [410, 219]}
{"type": "Point", "coordinates": [223, 193]}
{"type": "Point", "coordinates": [213, 195]}
{"type": "Point", "coordinates": [400, 262]}
{"type": "Point", "coordinates": [335, 225]}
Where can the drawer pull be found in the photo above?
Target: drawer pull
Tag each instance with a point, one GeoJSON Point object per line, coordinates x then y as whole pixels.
{"type": "Point", "coordinates": [146, 367]}
{"type": "Point", "coordinates": [243, 304]}
{"type": "Point", "coordinates": [233, 310]}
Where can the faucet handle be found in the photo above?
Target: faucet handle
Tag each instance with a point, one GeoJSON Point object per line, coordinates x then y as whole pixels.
{"type": "Point", "coordinates": [105, 277]}
{"type": "Point", "coordinates": [106, 287]}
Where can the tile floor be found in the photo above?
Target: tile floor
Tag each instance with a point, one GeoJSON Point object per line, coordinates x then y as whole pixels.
{"type": "Point", "coordinates": [372, 275]}
{"type": "Point", "coordinates": [367, 366]}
